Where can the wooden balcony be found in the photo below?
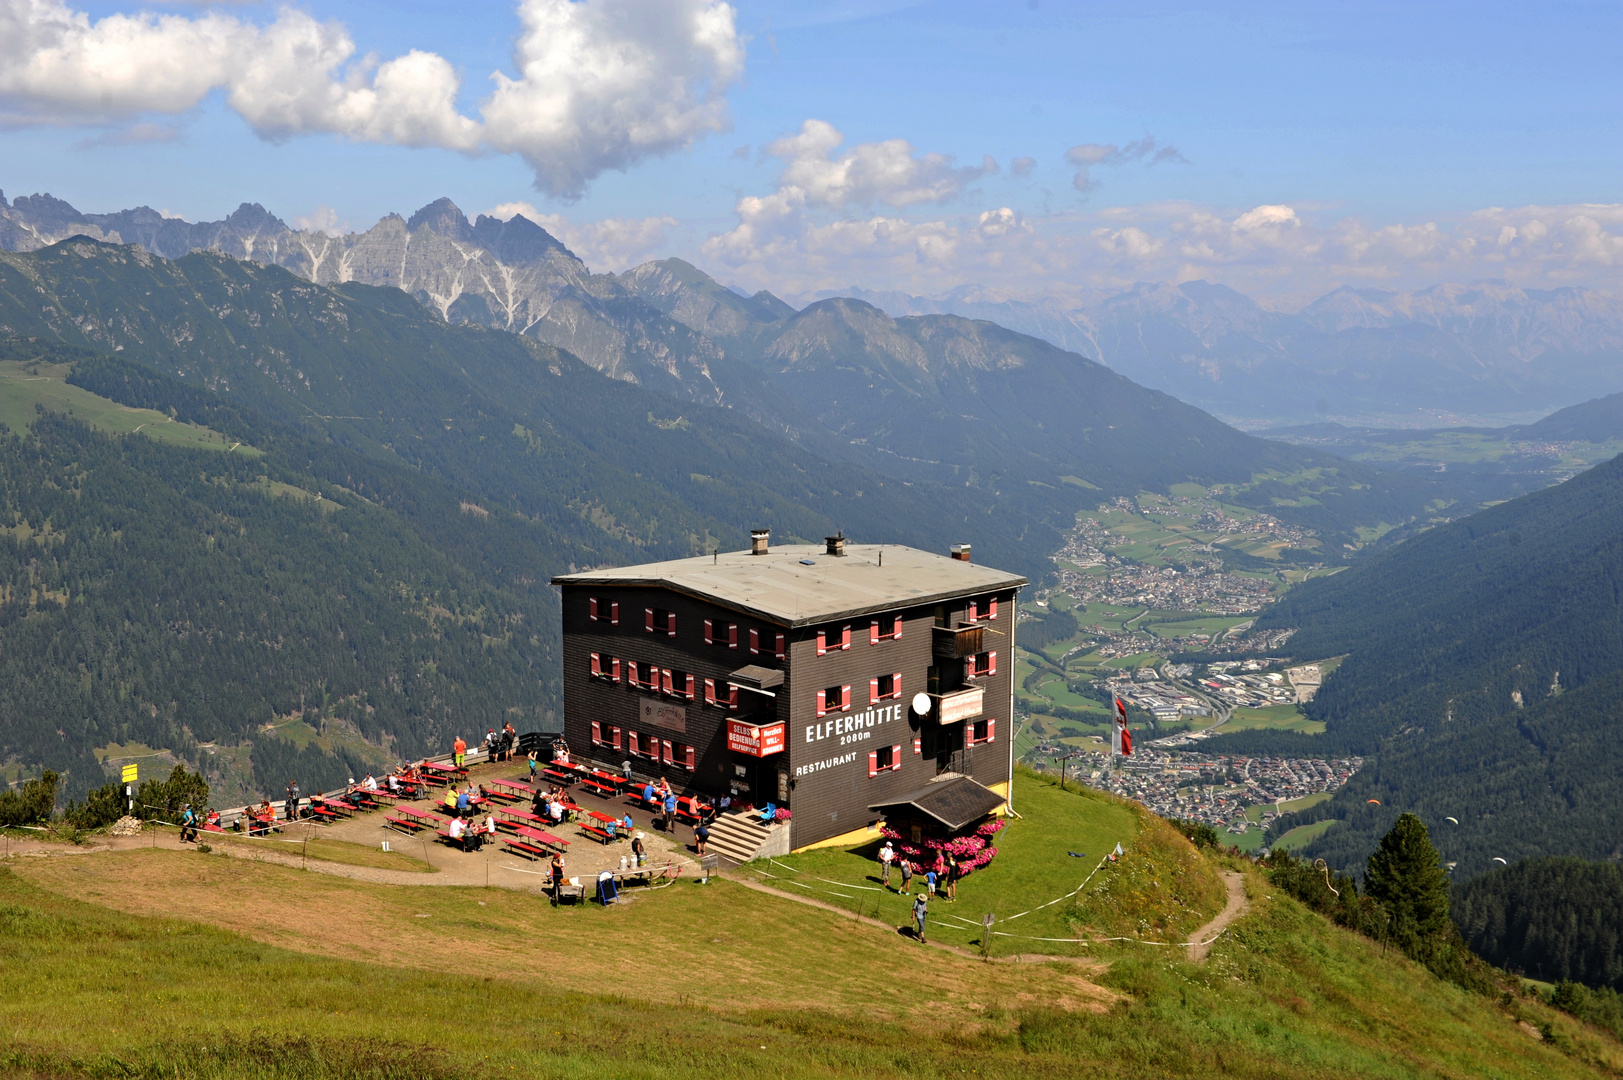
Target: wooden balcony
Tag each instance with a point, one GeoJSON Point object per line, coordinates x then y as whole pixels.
{"type": "Point", "coordinates": [955, 643]}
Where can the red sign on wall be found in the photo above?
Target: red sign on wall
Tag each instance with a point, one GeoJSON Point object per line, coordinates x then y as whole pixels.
{"type": "Point", "coordinates": [756, 740]}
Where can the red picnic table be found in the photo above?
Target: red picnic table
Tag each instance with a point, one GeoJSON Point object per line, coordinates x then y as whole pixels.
{"type": "Point", "coordinates": [331, 807]}
{"type": "Point", "coordinates": [561, 774]}
{"type": "Point", "coordinates": [543, 837]}
{"type": "Point", "coordinates": [605, 784]}
{"type": "Point", "coordinates": [443, 772]}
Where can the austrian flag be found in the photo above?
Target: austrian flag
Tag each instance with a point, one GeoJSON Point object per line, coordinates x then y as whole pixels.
{"type": "Point", "coordinates": [1124, 738]}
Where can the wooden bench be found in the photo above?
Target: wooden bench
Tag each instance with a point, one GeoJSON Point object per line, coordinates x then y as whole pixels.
{"type": "Point", "coordinates": [559, 776]}
{"type": "Point", "coordinates": [603, 836]}
{"type": "Point", "coordinates": [529, 851]}
{"type": "Point", "coordinates": [410, 826]}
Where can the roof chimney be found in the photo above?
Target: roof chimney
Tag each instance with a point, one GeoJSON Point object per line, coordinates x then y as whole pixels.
{"type": "Point", "coordinates": [758, 539]}
{"type": "Point", "coordinates": [960, 552]}
{"type": "Point", "coordinates": [836, 544]}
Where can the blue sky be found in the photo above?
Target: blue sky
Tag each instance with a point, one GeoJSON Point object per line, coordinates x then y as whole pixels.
{"type": "Point", "coordinates": [1368, 122]}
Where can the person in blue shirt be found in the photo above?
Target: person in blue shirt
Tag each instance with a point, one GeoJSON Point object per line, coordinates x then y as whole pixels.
{"type": "Point", "coordinates": [462, 801]}
{"type": "Point", "coordinates": [670, 811]}
{"type": "Point", "coordinates": [649, 795]}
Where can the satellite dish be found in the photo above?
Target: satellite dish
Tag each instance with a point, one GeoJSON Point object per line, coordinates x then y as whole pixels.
{"type": "Point", "coordinates": [921, 703]}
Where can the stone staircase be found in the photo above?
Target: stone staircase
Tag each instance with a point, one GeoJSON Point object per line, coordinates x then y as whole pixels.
{"type": "Point", "coordinates": [737, 838]}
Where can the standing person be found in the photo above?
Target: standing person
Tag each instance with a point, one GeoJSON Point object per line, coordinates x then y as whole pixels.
{"type": "Point", "coordinates": [535, 763]}
{"type": "Point", "coordinates": [701, 837]}
{"type": "Point", "coordinates": [292, 804]}
{"type": "Point", "coordinates": [929, 882]}
{"type": "Point", "coordinates": [639, 850]}
{"type": "Point", "coordinates": [557, 877]}
{"type": "Point", "coordinates": [459, 750]}
{"type": "Point", "coordinates": [907, 875]}
{"type": "Point", "coordinates": [952, 877]}
{"type": "Point", "coordinates": [921, 910]}
{"type": "Point", "coordinates": [188, 825]}
{"type": "Point", "coordinates": [887, 856]}
{"type": "Point", "coordinates": [670, 811]}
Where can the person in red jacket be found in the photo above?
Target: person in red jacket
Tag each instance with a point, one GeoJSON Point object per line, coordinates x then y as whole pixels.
{"type": "Point", "coordinates": [460, 749]}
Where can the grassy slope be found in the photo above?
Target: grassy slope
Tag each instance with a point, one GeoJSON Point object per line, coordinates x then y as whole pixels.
{"type": "Point", "coordinates": [25, 386]}
{"type": "Point", "coordinates": [320, 976]}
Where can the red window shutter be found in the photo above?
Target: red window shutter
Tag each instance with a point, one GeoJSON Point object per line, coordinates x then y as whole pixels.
{"type": "Point", "coordinates": [597, 733]}
{"type": "Point", "coordinates": [755, 641]}
{"type": "Point", "coordinates": [633, 742]}
{"type": "Point", "coordinates": [669, 756]}
{"type": "Point", "coordinates": [845, 637]}
{"type": "Point", "coordinates": [732, 697]}
{"type": "Point", "coordinates": [710, 691]}
{"type": "Point", "coordinates": [781, 647]}
{"type": "Point", "coordinates": [873, 690]}
{"type": "Point", "coordinates": [648, 619]}
{"type": "Point", "coordinates": [873, 763]}
{"type": "Point", "coordinates": [670, 623]}
{"type": "Point", "coordinates": [896, 685]}
{"type": "Point", "coordinates": [873, 632]}
{"type": "Point", "coordinates": [597, 664]}
{"type": "Point", "coordinates": [614, 668]}
{"type": "Point", "coordinates": [918, 746]}
{"type": "Point", "coordinates": [591, 605]}
{"type": "Point", "coordinates": [845, 697]}
{"type": "Point", "coordinates": [665, 681]}
{"type": "Point", "coordinates": [709, 632]}
{"type": "Point", "coordinates": [732, 635]}
{"type": "Point", "coordinates": [689, 693]}
{"type": "Point", "coordinates": [614, 613]}
{"type": "Point", "coordinates": [991, 730]}
{"type": "Point", "coordinates": [971, 615]}
{"type": "Point", "coordinates": [822, 642]}
{"type": "Point", "coordinates": [822, 702]}
{"type": "Point", "coordinates": [895, 758]}
{"type": "Point", "coordinates": [898, 625]}
{"type": "Point", "coordinates": [618, 736]}
{"type": "Point", "coordinates": [687, 758]}
{"type": "Point", "coordinates": [991, 663]}
{"type": "Point", "coordinates": [992, 608]}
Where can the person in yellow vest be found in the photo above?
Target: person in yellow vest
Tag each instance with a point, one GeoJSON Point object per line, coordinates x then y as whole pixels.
{"type": "Point", "coordinates": [461, 750]}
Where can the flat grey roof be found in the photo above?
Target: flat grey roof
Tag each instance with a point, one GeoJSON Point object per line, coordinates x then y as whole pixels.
{"type": "Point", "coordinates": [802, 585]}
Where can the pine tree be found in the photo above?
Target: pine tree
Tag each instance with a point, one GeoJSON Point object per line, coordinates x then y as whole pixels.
{"type": "Point", "coordinates": [1405, 874]}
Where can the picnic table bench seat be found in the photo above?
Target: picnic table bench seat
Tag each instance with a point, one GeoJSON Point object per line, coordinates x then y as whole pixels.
{"type": "Point", "coordinates": [601, 835]}
{"type": "Point", "coordinates": [526, 849]}
{"type": "Point", "coordinates": [411, 825]}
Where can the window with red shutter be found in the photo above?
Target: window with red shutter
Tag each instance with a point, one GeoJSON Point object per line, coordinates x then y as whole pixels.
{"type": "Point", "coordinates": [991, 606]}
{"type": "Point", "coordinates": [591, 608]}
{"type": "Point", "coordinates": [732, 635]}
{"type": "Point", "coordinates": [845, 637]}
{"type": "Point", "coordinates": [845, 697]}
{"type": "Point", "coordinates": [873, 691]}
{"type": "Point", "coordinates": [873, 763]}
{"type": "Point", "coordinates": [665, 686]}
{"type": "Point", "coordinates": [991, 731]}
{"type": "Point", "coordinates": [617, 737]}
{"type": "Point", "coordinates": [597, 665]}
{"type": "Point", "coordinates": [710, 691]}
{"type": "Point", "coordinates": [670, 624]}
{"type": "Point", "coordinates": [670, 757]}
{"type": "Point", "coordinates": [755, 641]}
{"type": "Point", "coordinates": [971, 614]}
{"type": "Point", "coordinates": [597, 733]}
{"type": "Point", "coordinates": [616, 670]}
{"type": "Point", "coordinates": [689, 688]}
{"type": "Point", "coordinates": [732, 696]}
{"type": "Point", "coordinates": [688, 758]}
{"type": "Point", "coordinates": [822, 702]}
{"type": "Point", "coordinates": [614, 613]}
{"type": "Point", "coordinates": [781, 647]}
{"type": "Point", "coordinates": [709, 632]}
{"type": "Point", "coordinates": [991, 663]}
{"type": "Point", "coordinates": [648, 619]}
{"type": "Point", "coordinates": [822, 643]}
{"type": "Point", "coordinates": [895, 758]}
{"type": "Point", "coordinates": [896, 685]}
{"type": "Point", "coordinates": [632, 742]}
{"type": "Point", "coordinates": [873, 632]}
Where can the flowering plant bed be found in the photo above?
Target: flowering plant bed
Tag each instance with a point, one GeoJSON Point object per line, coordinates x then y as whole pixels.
{"type": "Point", "coordinates": [972, 850]}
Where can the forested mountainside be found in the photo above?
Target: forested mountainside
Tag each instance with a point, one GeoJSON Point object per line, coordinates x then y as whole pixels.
{"type": "Point", "coordinates": [1550, 918]}
{"type": "Point", "coordinates": [1007, 418]}
{"type": "Point", "coordinates": [458, 469]}
{"type": "Point", "coordinates": [1484, 674]}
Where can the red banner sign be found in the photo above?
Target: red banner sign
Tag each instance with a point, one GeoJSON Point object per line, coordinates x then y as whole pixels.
{"type": "Point", "coordinates": [756, 740]}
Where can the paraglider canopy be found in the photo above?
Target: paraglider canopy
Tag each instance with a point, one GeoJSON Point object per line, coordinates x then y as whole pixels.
{"type": "Point", "coordinates": [1454, 820]}
{"type": "Point", "coordinates": [1497, 859]}
{"type": "Point", "coordinates": [1375, 802]}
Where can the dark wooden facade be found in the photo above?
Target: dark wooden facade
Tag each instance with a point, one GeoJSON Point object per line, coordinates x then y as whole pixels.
{"type": "Point", "coordinates": [840, 757]}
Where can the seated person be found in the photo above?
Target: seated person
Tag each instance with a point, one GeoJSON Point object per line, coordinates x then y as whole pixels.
{"type": "Point", "coordinates": [213, 819]}
{"type": "Point", "coordinates": [459, 832]}
{"type": "Point", "coordinates": [650, 794]}
{"type": "Point", "coordinates": [450, 798]}
{"type": "Point", "coordinates": [626, 824]}
{"type": "Point", "coordinates": [484, 792]}
{"type": "Point", "coordinates": [371, 782]}
{"type": "Point", "coordinates": [462, 801]}
{"type": "Point", "coordinates": [394, 783]}
{"type": "Point", "coordinates": [490, 827]}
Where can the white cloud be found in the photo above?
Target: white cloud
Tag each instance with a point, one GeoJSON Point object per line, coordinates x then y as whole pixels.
{"type": "Point", "coordinates": [611, 245]}
{"type": "Point", "coordinates": [1271, 250]}
{"type": "Point", "coordinates": [887, 172]}
{"type": "Point", "coordinates": [323, 219]}
{"type": "Point", "coordinates": [601, 84]}
{"type": "Point", "coordinates": [1086, 156]}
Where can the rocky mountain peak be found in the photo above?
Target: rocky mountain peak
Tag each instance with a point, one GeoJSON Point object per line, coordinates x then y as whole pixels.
{"type": "Point", "coordinates": [442, 216]}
